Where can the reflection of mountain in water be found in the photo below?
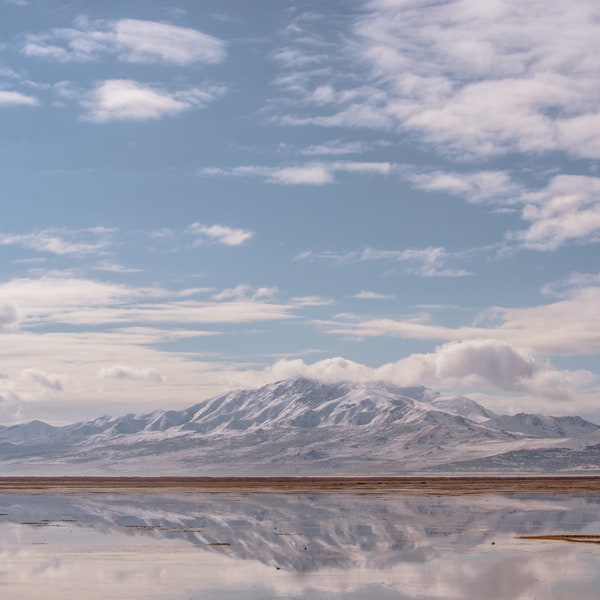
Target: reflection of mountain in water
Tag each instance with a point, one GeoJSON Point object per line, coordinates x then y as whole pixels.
{"type": "Point", "coordinates": [310, 532]}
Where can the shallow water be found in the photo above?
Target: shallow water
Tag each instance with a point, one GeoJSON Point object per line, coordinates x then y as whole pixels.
{"type": "Point", "coordinates": [192, 545]}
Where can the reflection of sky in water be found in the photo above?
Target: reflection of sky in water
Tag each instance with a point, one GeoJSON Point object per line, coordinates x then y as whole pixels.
{"type": "Point", "coordinates": [260, 546]}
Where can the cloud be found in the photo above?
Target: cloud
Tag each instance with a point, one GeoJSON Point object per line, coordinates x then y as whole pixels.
{"type": "Point", "coordinates": [219, 234]}
{"type": "Point", "coordinates": [426, 262]}
{"type": "Point", "coordinates": [11, 98]}
{"type": "Point", "coordinates": [318, 173]}
{"type": "Point", "coordinates": [565, 210]}
{"type": "Point", "coordinates": [52, 381]}
{"type": "Point", "coordinates": [570, 326]}
{"type": "Point", "coordinates": [9, 317]}
{"type": "Point", "coordinates": [130, 40]}
{"type": "Point", "coordinates": [246, 292]}
{"type": "Point", "coordinates": [470, 79]}
{"type": "Point", "coordinates": [126, 100]}
{"type": "Point", "coordinates": [576, 281]}
{"type": "Point", "coordinates": [479, 187]}
{"type": "Point", "coordinates": [568, 209]}
{"type": "Point", "coordinates": [86, 302]}
{"type": "Point", "coordinates": [340, 148]}
{"type": "Point", "coordinates": [459, 365]}
{"type": "Point", "coordinates": [61, 242]}
{"type": "Point", "coordinates": [124, 372]}
{"type": "Point", "coordinates": [365, 295]}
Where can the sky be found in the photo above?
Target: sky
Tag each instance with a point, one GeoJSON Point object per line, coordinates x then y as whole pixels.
{"type": "Point", "coordinates": [205, 196]}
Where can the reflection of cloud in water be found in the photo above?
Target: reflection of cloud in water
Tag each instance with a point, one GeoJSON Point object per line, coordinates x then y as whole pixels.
{"type": "Point", "coordinates": [415, 547]}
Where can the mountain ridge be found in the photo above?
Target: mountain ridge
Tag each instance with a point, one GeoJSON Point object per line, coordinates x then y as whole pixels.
{"type": "Point", "coordinates": [304, 426]}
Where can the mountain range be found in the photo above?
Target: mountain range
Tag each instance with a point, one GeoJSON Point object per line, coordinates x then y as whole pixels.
{"type": "Point", "coordinates": [307, 427]}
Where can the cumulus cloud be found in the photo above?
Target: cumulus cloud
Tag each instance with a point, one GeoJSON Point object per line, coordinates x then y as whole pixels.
{"type": "Point", "coordinates": [317, 173]}
{"type": "Point", "coordinates": [219, 234]}
{"type": "Point", "coordinates": [12, 98]}
{"type": "Point", "coordinates": [125, 372]}
{"type": "Point", "coordinates": [130, 40]}
{"type": "Point", "coordinates": [473, 364]}
{"type": "Point", "coordinates": [471, 79]}
{"type": "Point", "coordinates": [127, 100]}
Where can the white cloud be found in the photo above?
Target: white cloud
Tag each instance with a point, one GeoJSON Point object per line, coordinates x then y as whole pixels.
{"type": "Point", "coordinates": [473, 79]}
{"type": "Point", "coordinates": [567, 287]}
{"type": "Point", "coordinates": [317, 173]}
{"type": "Point", "coordinates": [9, 317]}
{"type": "Point", "coordinates": [52, 381]}
{"type": "Point", "coordinates": [570, 326]}
{"type": "Point", "coordinates": [126, 372]}
{"type": "Point", "coordinates": [131, 40]}
{"type": "Point", "coordinates": [86, 302]}
{"type": "Point", "coordinates": [220, 234]}
{"type": "Point", "coordinates": [310, 175]}
{"type": "Point", "coordinates": [341, 148]}
{"type": "Point", "coordinates": [477, 187]}
{"type": "Point", "coordinates": [490, 364]}
{"type": "Point", "coordinates": [80, 242]}
{"type": "Point", "coordinates": [246, 292]}
{"type": "Point", "coordinates": [426, 262]}
{"type": "Point", "coordinates": [568, 209]}
{"type": "Point", "coordinates": [11, 98]}
{"type": "Point", "coordinates": [126, 100]}
{"type": "Point", "coordinates": [366, 295]}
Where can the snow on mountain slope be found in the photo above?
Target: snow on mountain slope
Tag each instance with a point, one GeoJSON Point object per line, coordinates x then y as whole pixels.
{"type": "Point", "coordinates": [542, 426]}
{"type": "Point", "coordinates": [292, 427]}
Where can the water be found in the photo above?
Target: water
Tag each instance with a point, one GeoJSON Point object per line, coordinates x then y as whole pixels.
{"type": "Point", "coordinates": [200, 545]}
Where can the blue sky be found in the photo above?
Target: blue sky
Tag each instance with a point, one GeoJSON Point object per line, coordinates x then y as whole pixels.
{"type": "Point", "coordinates": [200, 196]}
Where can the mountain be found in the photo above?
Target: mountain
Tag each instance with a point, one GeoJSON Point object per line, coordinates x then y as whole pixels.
{"type": "Point", "coordinates": [304, 427]}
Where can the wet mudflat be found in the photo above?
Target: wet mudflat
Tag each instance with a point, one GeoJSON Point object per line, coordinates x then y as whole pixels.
{"type": "Point", "coordinates": [282, 539]}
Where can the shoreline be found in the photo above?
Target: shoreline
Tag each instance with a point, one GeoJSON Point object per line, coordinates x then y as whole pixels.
{"type": "Point", "coordinates": [427, 485]}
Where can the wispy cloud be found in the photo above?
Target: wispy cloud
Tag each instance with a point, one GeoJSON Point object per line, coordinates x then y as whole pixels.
{"type": "Point", "coordinates": [567, 210]}
{"type": "Point", "coordinates": [219, 234]}
{"type": "Point", "coordinates": [427, 262]}
{"type": "Point", "coordinates": [340, 148]}
{"type": "Point", "coordinates": [12, 98]}
{"type": "Point", "coordinates": [314, 173]}
{"type": "Point", "coordinates": [471, 80]}
{"type": "Point", "coordinates": [130, 40]}
{"type": "Point", "coordinates": [74, 242]}
{"type": "Point", "coordinates": [367, 295]}
{"type": "Point", "coordinates": [87, 302]}
{"type": "Point", "coordinates": [127, 100]}
{"type": "Point", "coordinates": [495, 187]}
{"type": "Point", "coordinates": [569, 326]}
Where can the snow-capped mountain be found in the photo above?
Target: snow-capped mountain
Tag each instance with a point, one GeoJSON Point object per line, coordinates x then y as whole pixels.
{"type": "Point", "coordinates": [302, 427]}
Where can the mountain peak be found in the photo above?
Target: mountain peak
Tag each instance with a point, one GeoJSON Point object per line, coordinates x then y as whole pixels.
{"type": "Point", "coordinates": [303, 426]}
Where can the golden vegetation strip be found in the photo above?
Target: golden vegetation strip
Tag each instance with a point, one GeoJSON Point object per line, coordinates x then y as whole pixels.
{"type": "Point", "coordinates": [367, 485]}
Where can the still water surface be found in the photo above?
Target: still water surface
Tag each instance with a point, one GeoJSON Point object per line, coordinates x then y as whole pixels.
{"type": "Point", "coordinates": [199, 545]}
